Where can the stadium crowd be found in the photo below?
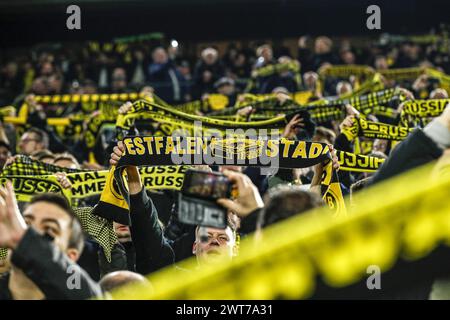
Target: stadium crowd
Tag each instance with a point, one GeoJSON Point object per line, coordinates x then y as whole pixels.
{"type": "Point", "coordinates": [45, 236]}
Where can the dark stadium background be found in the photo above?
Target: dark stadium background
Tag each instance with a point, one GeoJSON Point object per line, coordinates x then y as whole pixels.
{"type": "Point", "coordinates": [26, 22]}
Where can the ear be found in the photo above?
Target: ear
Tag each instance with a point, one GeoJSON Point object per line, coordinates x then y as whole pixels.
{"type": "Point", "coordinates": [73, 254]}
{"type": "Point", "coordinates": [194, 247]}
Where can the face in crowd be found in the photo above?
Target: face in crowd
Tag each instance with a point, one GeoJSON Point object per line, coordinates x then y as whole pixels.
{"type": "Point", "coordinates": [343, 87]}
{"type": "Point", "coordinates": [227, 88]}
{"type": "Point", "coordinates": [310, 79]}
{"type": "Point", "coordinates": [31, 142]}
{"type": "Point", "coordinates": [380, 145]}
{"type": "Point", "coordinates": [160, 56]}
{"type": "Point", "coordinates": [214, 245]}
{"type": "Point", "coordinates": [4, 155]}
{"type": "Point", "coordinates": [122, 231]}
{"type": "Point", "coordinates": [322, 45]}
{"type": "Point", "coordinates": [52, 219]}
{"type": "Point", "coordinates": [210, 56]}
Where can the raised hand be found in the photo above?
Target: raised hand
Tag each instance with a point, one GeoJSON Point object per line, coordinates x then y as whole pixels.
{"type": "Point", "coordinates": [248, 199]}
{"type": "Point", "coordinates": [12, 224]}
{"type": "Point", "coordinates": [291, 128]}
{"type": "Point", "coordinates": [61, 177]}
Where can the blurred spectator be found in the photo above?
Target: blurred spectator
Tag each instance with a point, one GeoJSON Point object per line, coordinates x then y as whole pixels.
{"type": "Point", "coordinates": [226, 86]}
{"type": "Point", "coordinates": [264, 56]}
{"type": "Point", "coordinates": [240, 66]}
{"type": "Point", "coordinates": [207, 71]}
{"type": "Point", "coordinates": [381, 63]}
{"type": "Point", "coordinates": [33, 140]}
{"type": "Point", "coordinates": [409, 56]}
{"type": "Point", "coordinates": [11, 83]}
{"type": "Point", "coordinates": [66, 160]}
{"type": "Point", "coordinates": [45, 156]}
{"type": "Point", "coordinates": [310, 80]}
{"type": "Point", "coordinates": [168, 82]}
{"type": "Point", "coordinates": [114, 280]}
{"type": "Point", "coordinates": [285, 79]}
{"type": "Point", "coordinates": [343, 87]}
{"type": "Point", "coordinates": [185, 69]}
{"type": "Point", "coordinates": [88, 87]}
{"type": "Point", "coordinates": [285, 201]}
{"type": "Point", "coordinates": [5, 153]}
{"type": "Point", "coordinates": [230, 55]}
{"type": "Point", "coordinates": [100, 71]}
{"type": "Point", "coordinates": [438, 94]}
{"type": "Point", "coordinates": [137, 69]}
{"type": "Point", "coordinates": [322, 53]}
{"type": "Point", "coordinates": [347, 57]}
{"type": "Point", "coordinates": [118, 80]}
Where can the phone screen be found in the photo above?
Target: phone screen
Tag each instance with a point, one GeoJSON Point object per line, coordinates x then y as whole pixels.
{"type": "Point", "coordinates": [206, 185]}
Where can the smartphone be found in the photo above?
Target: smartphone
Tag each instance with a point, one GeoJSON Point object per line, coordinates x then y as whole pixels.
{"type": "Point", "coordinates": [206, 185]}
{"type": "Point", "coordinates": [197, 199]}
{"type": "Point", "coordinates": [199, 212]}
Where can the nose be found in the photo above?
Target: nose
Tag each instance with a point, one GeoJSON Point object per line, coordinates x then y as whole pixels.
{"type": "Point", "coordinates": [215, 242]}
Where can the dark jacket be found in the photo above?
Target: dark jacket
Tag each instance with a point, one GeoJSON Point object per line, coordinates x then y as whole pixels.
{"type": "Point", "coordinates": [417, 149]}
{"type": "Point", "coordinates": [312, 61]}
{"type": "Point", "coordinates": [152, 249]}
{"type": "Point", "coordinates": [44, 264]}
{"type": "Point", "coordinates": [169, 83]}
{"type": "Point", "coordinates": [267, 84]}
{"type": "Point", "coordinates": [180, 235]}
{"type": "Point", "coordinates": [343, 144]}
{"type": "Point", "coordinates": [200, 86]}
{"type": "Point", "coordinates": [122, 258]}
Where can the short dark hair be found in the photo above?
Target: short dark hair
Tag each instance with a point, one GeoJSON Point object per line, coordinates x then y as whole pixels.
{"type": "Point", "coordinates": [42, 154]}
{"type": "Point", "coordinates": [378, 154]}
{"type": "Point", "coordinates": [76, 239]}
{"type": "Point", "coordinates": [42, 136]}
{"type": "Point", "coordinates": [308, 129]}
{"type": "Point", "coordinates": [325, 133]}
{"type": "Point", "coordinates": [66, 156]}
{"type": "Point", "coordinates": [285, 201]}
{"type": "Point", "coordinates": [359, 185]}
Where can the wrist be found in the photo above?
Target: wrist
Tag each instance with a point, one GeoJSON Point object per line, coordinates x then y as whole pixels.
{"type": "Point", "coordinates": [255, 205]}
{"type": "Point", "coordinates": [134, 180]}
{"type": "Point", "coordinates": [132, 172]}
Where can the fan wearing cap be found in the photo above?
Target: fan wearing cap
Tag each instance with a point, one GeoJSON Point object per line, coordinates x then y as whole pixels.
{"type": "Point", "coordinates": [226, 86]}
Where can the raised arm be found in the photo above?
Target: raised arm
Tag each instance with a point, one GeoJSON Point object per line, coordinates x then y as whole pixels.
{"type": "Point", "coordinates": [152, 248]}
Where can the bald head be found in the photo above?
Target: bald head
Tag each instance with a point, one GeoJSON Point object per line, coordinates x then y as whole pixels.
{"type": "Point", "coordinates": [438, 93]}
{"type": "Point", "coordinates": [118, 279]}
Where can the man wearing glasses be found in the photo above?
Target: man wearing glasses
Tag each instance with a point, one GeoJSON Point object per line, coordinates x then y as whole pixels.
{"type": "Point", "coordinates": [33, 140]}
